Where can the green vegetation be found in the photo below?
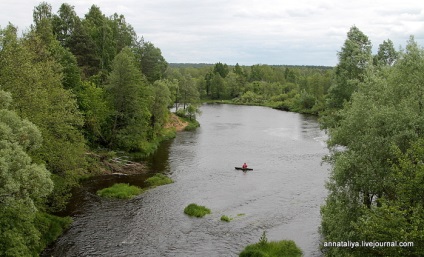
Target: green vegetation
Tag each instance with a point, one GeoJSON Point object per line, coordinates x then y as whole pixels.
{"type": "Point", "coordinates": [196, 210]}
{"type": "Point", "coordinates": [293, 88]}
{"type": "Point", "coordinates": [159, 180]}
{"type": "Point", "coordinates": [271, 249]}
{"type": "Point", "coordinates": [226, 218]}
{"type": "Point", "coordinates": [78, 84]}
{"type": "Point", "coordinates": [192, 122]}
{"type": "Point", "coordinates": [51, 227]}
{"type": "Point", "coordinates": [375, 121]}
{"type": "Point", "coordinates": [120, 190]}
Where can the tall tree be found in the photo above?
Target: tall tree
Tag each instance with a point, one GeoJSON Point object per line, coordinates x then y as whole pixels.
{"type": "Point", "coordinates": [217, 87]}
{"type": "Point", "coordinates": [386, 54]}
{"type": "Point", "coordinates": [221, 69]}
{"type": "Point", "coordinates": [131, 98]}
{"type": "Point", "coordinates": [99, 29]}
{"type": "Point", "coordinates": [151, 61]}
{"type": "Point", "coordinates": [159, 108]}
{"type": "Point", "coordinates": [64, 24]}
{"type": "Point", "coordinates": [83, 48]}
{"type": "Point", "coordinates": [354, 58]}
{"type": "Point", "coordinates": [123, 33]}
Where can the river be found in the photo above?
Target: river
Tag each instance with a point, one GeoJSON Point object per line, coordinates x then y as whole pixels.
{"type": "Point", "coordinates": [281, 196]}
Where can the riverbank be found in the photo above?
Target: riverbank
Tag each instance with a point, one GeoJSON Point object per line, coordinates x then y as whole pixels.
{"type": "Point", "coordinates": [282, 106]}
{"type": "Point", "coordinates": [176, 123]}
{"type": "Point", "coordinates": [278, 200]}
{"type": "Point", "coordinates": [109, 162]}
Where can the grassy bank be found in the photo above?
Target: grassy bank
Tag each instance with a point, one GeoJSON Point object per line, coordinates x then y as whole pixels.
{"type": "Point", "coordinates": [120, 190]}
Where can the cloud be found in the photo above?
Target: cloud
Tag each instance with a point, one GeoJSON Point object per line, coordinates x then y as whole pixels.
{"type": "Point", "coordinates": [308, 32]}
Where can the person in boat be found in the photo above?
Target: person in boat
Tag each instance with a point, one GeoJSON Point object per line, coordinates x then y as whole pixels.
{"type": "Point", "coordinates": [244, 166]}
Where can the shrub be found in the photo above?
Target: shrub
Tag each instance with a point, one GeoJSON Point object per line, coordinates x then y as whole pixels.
{"type": "Point", "coordinates": [225, 218]}
{"type": "Point", "coordinates": [120, 190]}
{"type": "Point", "coordinates": [158, 180]}
{"type": "Point", "coordinates": [50, 227]}
{"type": "Point", "coordinates": [196, 210]}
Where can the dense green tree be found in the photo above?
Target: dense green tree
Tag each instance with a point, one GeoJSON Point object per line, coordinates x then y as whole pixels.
{"type": "Point", "coordinates": [221, 69]}
{"type": "Point", "coordinates": [188, 92]}
{"type": "Point", "coordinates": [386, 54]}
{"type": "Point", "coordinates": [96, 110]}
{"type": "Point", "coordinates": [123, 33]}
{"type": "Point", "coordinates": [42, 12]}
{"type": "Point", "coordinates": [400, 213]}
{"type": "Point", "coordinates": [217, 87]}
{"type": "Point", "coordinates": [354, 58]}
{"type": "Point", "coordinates": [36, 86]}
{"type": "Point", "coordinates": [83, 48]}
{"type": "Point", "coordinates": [238, 70]}
{"type": "Point", "coordinates": [159, 108]}
{"type": "Point", "coordinates": [100, 31]}
{"type": "Point", "coordinates": [23, 183]}
{"type": "Point", "coordinates": [234, 85]}
{"type": "Point", "coordinates": [64, 24]}
{"type": "Point", "coordinates": [131, 97]}
{"type": "Point", "coordinates": [208, 83]}
{"type": "Point", "coordinates": [151, 61]}
{"type": "Point", "coordinates": [368, 184]}
{"type": "Point", "coordinates": [289, 75]}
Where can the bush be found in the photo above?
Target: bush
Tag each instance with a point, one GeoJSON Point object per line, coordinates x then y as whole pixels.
{"type": "Point", "coordinates": [120, 190]}
{"type": "Point", "coordinates": [225, 218]}
{"type": "Point", "coordinates": [192, 125]}
{"type": "Point", "coordinates": [50, 227]}
{"type": "Point", "coordinates": [158, 180]}
{"type": "Point", "coordinates": [286, 248]}
{"type": "Point", "coordinates": [196, 210]}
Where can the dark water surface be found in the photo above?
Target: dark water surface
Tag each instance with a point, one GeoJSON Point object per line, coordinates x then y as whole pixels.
{"type": "Point", "coordinates": [281, 196]}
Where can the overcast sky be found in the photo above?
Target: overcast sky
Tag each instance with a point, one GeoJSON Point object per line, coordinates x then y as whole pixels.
{"type": "Point", "coordinates": [295, 32]}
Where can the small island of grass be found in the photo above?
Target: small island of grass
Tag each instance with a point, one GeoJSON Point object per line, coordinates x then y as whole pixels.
{"type": "Point", "coordinates": [120, 190]}
{"type": "Point", "coordinates": [196, 210]}
{"type": "Point", "coordinates": [226, 218]}
{"type": "Point", "coordinates": [158, 180]}
{"type": "Point", "coordinates": [264, 248]}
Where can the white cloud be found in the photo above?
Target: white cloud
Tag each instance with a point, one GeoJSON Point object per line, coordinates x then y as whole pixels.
{"type": "Point", "coordinates": [303, 32]}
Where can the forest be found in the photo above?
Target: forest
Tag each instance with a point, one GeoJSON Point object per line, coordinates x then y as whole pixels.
{"type": "Point", "coordinates": [72, 88]}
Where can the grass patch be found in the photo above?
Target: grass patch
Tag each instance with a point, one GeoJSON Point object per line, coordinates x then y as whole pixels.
{"type": "Point", "coordinates": [120, 190]}
{"type": "Point", "coordinates": [158, 180]}
{"type": "Point", "coordinates": [196, 210]}
{"type": "Point", "coordinates": [263, 248]}
{"type": "Point", "coordinates": [240, 214]}
{"type": "Point", "coordinates": [226, 218]}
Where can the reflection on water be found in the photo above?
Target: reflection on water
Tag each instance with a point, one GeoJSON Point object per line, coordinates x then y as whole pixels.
{"type": "Point", "coordinates": [282, 195]}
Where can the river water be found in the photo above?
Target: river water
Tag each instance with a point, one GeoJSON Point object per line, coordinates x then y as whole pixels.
{"type": "Point", "coordinates": [281, 196]}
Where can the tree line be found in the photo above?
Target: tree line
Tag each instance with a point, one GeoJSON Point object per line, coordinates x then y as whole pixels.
{"type": "Point", "coordinates": [291, 88]}
{"type": "Point", "coordinates": [375, 121]}
{"type": "Point", "coordinates": [70, 86]}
